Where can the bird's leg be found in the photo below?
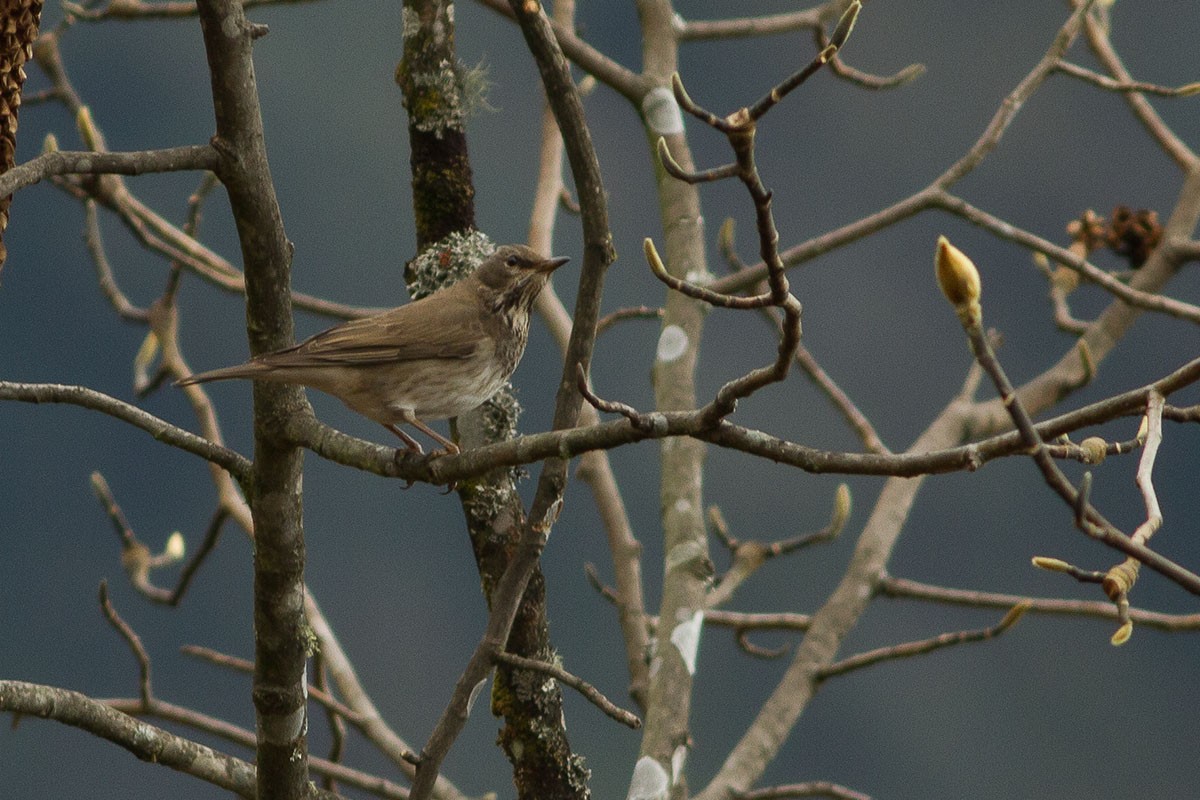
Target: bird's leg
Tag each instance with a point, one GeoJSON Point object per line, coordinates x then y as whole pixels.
{"type": "Point", "coordinates": [409, 442]}
{"type": "Point", "coordinates": [411, 419]}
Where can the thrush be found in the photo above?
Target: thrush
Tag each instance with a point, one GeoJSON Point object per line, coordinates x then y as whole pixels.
{"type": "Point", "coordinates": [434, 358]}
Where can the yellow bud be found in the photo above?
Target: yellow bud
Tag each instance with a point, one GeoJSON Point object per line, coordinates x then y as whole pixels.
{"type": "Point", "coordinates": [1095, 450]}
{"type": "Point", "coordinates": [50, 143]}
{"type": "Point", "coordinates": [1122, 635]}
{"type": "Point", "coordinates": [725, 236]}
{"type": "Point", "coordinates": [142, 362]}
{"type": "Point", "coordinates": [1052, 564]}
{"type": "Point", "coordinates": [87, 128]}
{"type": "Point", "coordinates": [1014, 614]}
{"type": "Point", "coordinates": [175, 547]}
{"type": "Point", "coordinates": [841, 508]}
{"type": "Point", "coordinates": [959, 281]}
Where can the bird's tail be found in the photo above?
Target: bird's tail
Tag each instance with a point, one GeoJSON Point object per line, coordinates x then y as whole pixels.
{"type": "Point", "coordinates": [250, 369]}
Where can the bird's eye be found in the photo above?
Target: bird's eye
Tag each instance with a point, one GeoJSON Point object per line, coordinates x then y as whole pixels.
{"type": "Point", "coordinates": [512, 261]}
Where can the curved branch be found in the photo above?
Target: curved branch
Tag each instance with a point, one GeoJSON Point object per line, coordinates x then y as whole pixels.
{"type": "Point", "coordinates": [236, 464]}
{"type": "Point", "coordinates": [147, 742]}
{"type": "Point", "coordinates": [904, 588]}
{"type": "Point", "coordinates": [139, 162]}
{"type": "Point", "coordinates": [1174, 147]}
{"type": "Point", "coordinates": [344, 449]}
{"type": "Point", "coordinates": [139, 9]}
{"type": "Point", "coordinates": [624, 81]}
{"type": "Point", "coordinates": [741, 27]}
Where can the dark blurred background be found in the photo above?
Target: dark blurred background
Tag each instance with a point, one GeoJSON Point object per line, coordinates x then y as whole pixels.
{"type": "Point", "coordinates": [1051, 710]}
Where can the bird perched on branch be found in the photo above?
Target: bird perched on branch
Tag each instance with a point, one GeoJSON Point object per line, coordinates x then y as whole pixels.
{"type": "Point", "coordinates": [435, 358]}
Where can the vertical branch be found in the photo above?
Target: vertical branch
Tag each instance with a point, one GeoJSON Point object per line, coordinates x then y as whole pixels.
{"type": "Point", "coordinates": [598, 254]}
{"type": "Point", "coordinates": [430, 77]}
{"type": "Point", "coordinates": [687, 568]}
{"type": "Point", "coordinates": [595, 469]}
{"type": "Point", "coordinates": [436, 95]}
{"type": "Point", "coordinates": [275, 493]}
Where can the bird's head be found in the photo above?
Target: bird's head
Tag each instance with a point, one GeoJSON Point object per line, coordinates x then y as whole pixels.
{"type": "Point", "coordinates": [513, 276]}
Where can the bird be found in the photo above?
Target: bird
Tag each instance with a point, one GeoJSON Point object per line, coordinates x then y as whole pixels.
{"type": "Point", "coordinates": [431, 359]}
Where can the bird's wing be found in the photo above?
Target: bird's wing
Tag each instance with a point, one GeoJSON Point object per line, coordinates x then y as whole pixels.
{"type": "Point", "coordinates": [407, 333]}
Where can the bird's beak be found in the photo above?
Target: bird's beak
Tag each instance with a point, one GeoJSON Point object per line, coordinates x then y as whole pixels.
{"type": "Point", "coordinates": [551, 264]}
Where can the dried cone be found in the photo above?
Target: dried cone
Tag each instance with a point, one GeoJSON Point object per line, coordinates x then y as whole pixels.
{"type": "Point", "coordinates": [18, 30]}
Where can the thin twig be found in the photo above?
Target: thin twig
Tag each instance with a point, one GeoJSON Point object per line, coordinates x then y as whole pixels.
{"type": "Point", "coordinates": [147, 742]}
{"type": "Point", "coordinates": [141, 10]}
{"type": "Point", "coordinates": [1112, 85]}
{"type": "Point", "coordinates": [337, 725]}
{"type": "Point", "coordinates": [865, 79]}
{"type": "Point", "coordinates": [837, 40]}
{"type": "Point", "coordinates": [745, 620]}
{"type": "Point", "coordinates": [622, 314]}
{"type": "Point", "coordinates": [132, 639]}
{"type": "Point", "coordinates": [1171, 144]}
{"type": "Point", "coordinates": [910, 649]}
{"type": "Point", "coordinates": [62, 162]}
{"type": "Point", "coordinates": [765, 25]}
{"type": "Point", "coordinates": [905, 588]}
{"type": "Point", "coordinates": [806, 789]}
{"type": "Point", "coordinates": [590, 693]}
{"type": "Point", "coordinates": [765, 653]}
{"type": "Point", "coordinates": [749, 556]}
{"type": "Point", "coordinates": [237, 464]}
{"type": "Point", "coordinates": [247, 667]}
{"type": "Point", "coordinates": [104, 272]}
{"type": "Point", "coordinates": [211, 536]}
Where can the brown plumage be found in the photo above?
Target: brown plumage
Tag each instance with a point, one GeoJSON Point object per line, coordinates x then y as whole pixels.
{"type": "Point", "coordinates": [434, 358]}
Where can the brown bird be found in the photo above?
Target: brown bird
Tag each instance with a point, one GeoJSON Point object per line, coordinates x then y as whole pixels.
{"type": "Point", "coordinates": [434, 358]}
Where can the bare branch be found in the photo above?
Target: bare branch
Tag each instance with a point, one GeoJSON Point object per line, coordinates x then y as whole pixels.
{"type": "Point", "coordinates": [135, 556]}
{"type": "Point", "coordinates": [891, 586]}
{"type": "Point", "coordinates": [147, 226]}
{"type": "Point", "coordinates": [563, 96]}
{"type": "Point", "coordinates": [141, 162]}
{"type": "Point", "coordinates": [526, 449]}
{"type": "Point", "coordinates": [141, 9]}
{"type": "Point", "coordinates": [746, 621]}
{"type": "Point", "coordinates": [621, 314]}
{"type": "Point", "coordinates": [131, 638]}
{"type": "Point", "coordinates": [1171, 144]}
{"type": "Point", "coordinates": [765, 25]}
{"type": "Point", "coordinates": [180, 715]}
{"type": "Point", "coordinates": [1112, 85]}
{"type": "Point", "coordinates": [145, 741]}
{"type": "Point", "coordinates": [591, 693]}
{"type": "Point", "coordinates": [765, 653]}
{"type": "Point", "coordinates": [317, 693]}
{"type": "Point", "coordinates": [621, 79]}
{"type": "Point", "coordinates": [910, 649]}
{"type": "Point", "coordinates": [1150, 301]}
{"type": "Point", "coordinates": [837, 40]}
{"type": "Point", "coordinates": [104, 273]}
{"type": "Point", "coordinates": [281, 633]}
{"type": "Point", "coordinates": [806, 789]}
{"type": "Point", "coordinates": [236, 464]}
{"type": "Point", "coordinates": [1093, 523]}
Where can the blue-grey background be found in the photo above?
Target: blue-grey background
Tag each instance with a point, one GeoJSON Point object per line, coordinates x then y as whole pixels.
{"type": "Point", "coordinates": [1049, 711]}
